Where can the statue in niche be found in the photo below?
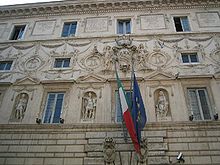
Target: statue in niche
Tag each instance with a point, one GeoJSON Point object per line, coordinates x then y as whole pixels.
{"type": "Point", "coordinates": [89, 105]}
{"type": "Point", "coordinates": [20, 106]}
{"type": "Point", "coordinates": [162, 105]}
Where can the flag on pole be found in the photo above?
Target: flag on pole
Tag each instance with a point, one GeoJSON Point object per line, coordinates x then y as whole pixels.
{"type": "Point", "coordinates": [127, 115]}
{"type": "Point", "coordinates": [138, 110]}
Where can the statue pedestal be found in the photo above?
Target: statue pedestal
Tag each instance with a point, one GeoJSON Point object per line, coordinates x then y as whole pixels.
{"type": "Point", "coordinates": [166, 118]}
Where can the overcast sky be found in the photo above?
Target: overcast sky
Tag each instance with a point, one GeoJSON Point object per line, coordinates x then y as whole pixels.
{"type": "Point", "coordinates": [12, 2]}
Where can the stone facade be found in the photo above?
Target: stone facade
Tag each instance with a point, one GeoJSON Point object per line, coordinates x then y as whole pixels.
{"type": "Point", "coordinates": [178, 73]}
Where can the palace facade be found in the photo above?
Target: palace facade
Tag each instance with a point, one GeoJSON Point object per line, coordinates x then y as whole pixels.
{"type": "Point", "coordinates": [59, 100]}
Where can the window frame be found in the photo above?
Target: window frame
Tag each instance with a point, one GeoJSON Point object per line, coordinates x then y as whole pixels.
{"type": "Point", "coordinates": [182, 24]}
{"type": "Point", "coordinates": [189, 54]}
{"type": "Point", "coordinates": [124, 20]}
{"type": "Point", "coordinates": [11, 67]}
{"type": "Point", "coordinates": [200, 110]}
{"type": "Point", "coordinates": [54, 106]}
{"type": "Point", "coordinates": [69, 29]}
{"type": "Point", "coordinates": [12, 33]}
{"type": "Point", "coordinates": [63, 62]}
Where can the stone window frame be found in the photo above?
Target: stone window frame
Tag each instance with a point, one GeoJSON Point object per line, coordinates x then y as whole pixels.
{"type": "Point", "coordinates": [124, 18]}
{"type": "Point", "coordinates": [63, 21]}
{"type": "Point", "coordinates": [71, 64]}
{"type": "Point", "coordinates": [55, 87]}
{"type": "Point", "coordinates": [199, 57]}
{"type": "Point", "coordinates": [197, 84]}
{"type": "Point", "coordinates": [189, 21]}
{"type": "Point", "coordinates": [26, 24]}
{"type": "Point", "coordinates": [12, 65]}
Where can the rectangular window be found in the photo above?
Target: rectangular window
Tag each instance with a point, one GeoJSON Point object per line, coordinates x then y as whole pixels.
{"type": "Point", "coordinates": [199, 104]}
{"type": "Point", "coordinates": [118, 110]}
{"type": "Point", "coordinates": [5, 65]}
{"type": "Point", "coordinates": [124, 27]}
{"type": "Point", "coordinates": [53, 108]}
{"type": "Point", "coordinates": [181, 24]}
{"type": "Point", "coordinates": [62, 63]}
{"type": "Point", "coordinates": [189, 58]}
{"type": "Point", "coordinates": [18, 32]}
{"type": "Point", "coordinates": [69, 29]}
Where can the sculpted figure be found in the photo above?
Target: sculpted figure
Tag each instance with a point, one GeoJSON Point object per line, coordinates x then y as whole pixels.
{"type": "Point", "coordinates": [21, 106]}
{"type": "Point", "coordinates": [162, 105]}
{"type": "Point", "coordinates": [89, 107]}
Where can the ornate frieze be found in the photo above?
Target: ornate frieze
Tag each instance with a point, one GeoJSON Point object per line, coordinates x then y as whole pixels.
{"type": "Point", "coordinates": [102, 7]}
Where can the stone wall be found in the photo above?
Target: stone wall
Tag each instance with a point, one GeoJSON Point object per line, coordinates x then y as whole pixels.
{"type": "Point", "coordinates": [83, 144]}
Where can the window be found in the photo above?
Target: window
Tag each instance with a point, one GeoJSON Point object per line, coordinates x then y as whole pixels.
{"type": "Point", "coordinates": [189, 58]}
{"type": "Point", "coordinates": [124, 27]}
{"type": "Point", "coordinates": [69, 29]}
{"type": "Point", "coordinates": [53, 108]}
{"type": "Point", "coordinates": [18, 32]}
{"type": "Point", "coordinates": [118, 110]}
{"type": "Point", "coordinates": [62, 63]}
{"type": "Point", "coordinates": [199, 104]}
{"type": "Point", "coordinates": [5, 65]}
{"type": "Point", "coordinates": [181, 24]}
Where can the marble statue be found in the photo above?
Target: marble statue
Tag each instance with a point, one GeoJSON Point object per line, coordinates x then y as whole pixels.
{"type": "Point", "coordinates": [20, 108]}
{"type": "Point", "coordinates": [89, 107]}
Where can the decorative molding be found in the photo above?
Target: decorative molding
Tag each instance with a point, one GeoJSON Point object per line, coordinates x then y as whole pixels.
{"type": "Point", "coordinates": [81, 7]}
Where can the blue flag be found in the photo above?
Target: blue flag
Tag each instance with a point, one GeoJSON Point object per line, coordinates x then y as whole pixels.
{"type": "Point", "coordinates": [138, 110]}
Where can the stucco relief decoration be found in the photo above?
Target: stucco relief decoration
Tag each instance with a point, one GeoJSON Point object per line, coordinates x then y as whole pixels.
{"type": "Point", "coordinates": [216, 56]}
{"type": "Point", "coordinates": [89, 102]}
{"type": "Point", "coordinates": [158, 59]}
{"type": "Point", "coordinates": [108, 58]}
{"type": "Point", "coordinates": [44, 27]}
{"type": "Point", "coordinates": [20, 106]}
{"type": "Point", "coordinates": [92, 61]}
{"type": "Point", "coordinates": [33, 63]}
{"type": "Point", "coordinates": [124, 52]}
{"type": "Point", "coordinates": [141, 58]}
{"type": "Point", "coordinates": [162, 105]}
{"type": "Point", "coordinates": [109, 150]}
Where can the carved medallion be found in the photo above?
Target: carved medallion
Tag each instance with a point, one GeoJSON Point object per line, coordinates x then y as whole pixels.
{"type": "Point", "coordinates": [33, 63]}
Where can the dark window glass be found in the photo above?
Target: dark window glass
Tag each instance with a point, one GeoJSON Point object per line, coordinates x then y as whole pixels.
{"type": "Point", "coordinates": [18, 32]}
{"type": "Point", "coordinates": [124, 27]}
{"type": "Point", "coordinates": [189, 57]}
{"type": "Point", "coordinates": [69, 29]}
{"type": "Point", "coordinates": [5, 65]}
{"type": "Point", "coordinates": [181, 24]}
{"type": "Point", "coordinates": [62, 63]}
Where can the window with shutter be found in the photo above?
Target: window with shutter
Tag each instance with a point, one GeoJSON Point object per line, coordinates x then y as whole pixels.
{"type": "Point", "coordinates": [199, 103]}
{"type": "Point", "coordinates": [181, 24]}
{"type": "Point", "coordinates": [53, 107]}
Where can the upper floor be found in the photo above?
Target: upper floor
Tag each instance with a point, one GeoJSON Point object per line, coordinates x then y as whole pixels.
{"type": "Point", "coordinates": [80, 19]}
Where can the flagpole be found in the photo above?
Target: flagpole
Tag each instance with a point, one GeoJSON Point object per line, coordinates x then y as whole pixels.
{"type": "Point", "coordinates": [123, 122]}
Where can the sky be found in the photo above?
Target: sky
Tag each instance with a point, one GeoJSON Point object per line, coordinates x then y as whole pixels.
{"type": "Point", "coordinates": [12, 2]}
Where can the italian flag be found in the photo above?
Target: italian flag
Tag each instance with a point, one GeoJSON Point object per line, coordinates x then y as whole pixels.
{"type": "Point", "coordinates": [127, 115]}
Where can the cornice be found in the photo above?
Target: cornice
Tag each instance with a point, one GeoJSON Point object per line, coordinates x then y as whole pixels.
{"type": "Point", "coordinates": [111, 38]}
{"type": "Point", "coordinates": [104, 6]}
{"type": "Point", "coordinates": [67, 128]}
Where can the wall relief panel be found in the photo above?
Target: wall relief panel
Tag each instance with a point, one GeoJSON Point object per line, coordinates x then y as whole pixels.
{"type": "Point", "coordinates": [209, 19]}
{"type": "Point", "coordinates": [96, 24]}
{"type": "Point", "coordinates": [151, 22]}
{"type": "Point", "coordinates": [44, 27]}
{"type": "Point", "coordinates": [2, 29]}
